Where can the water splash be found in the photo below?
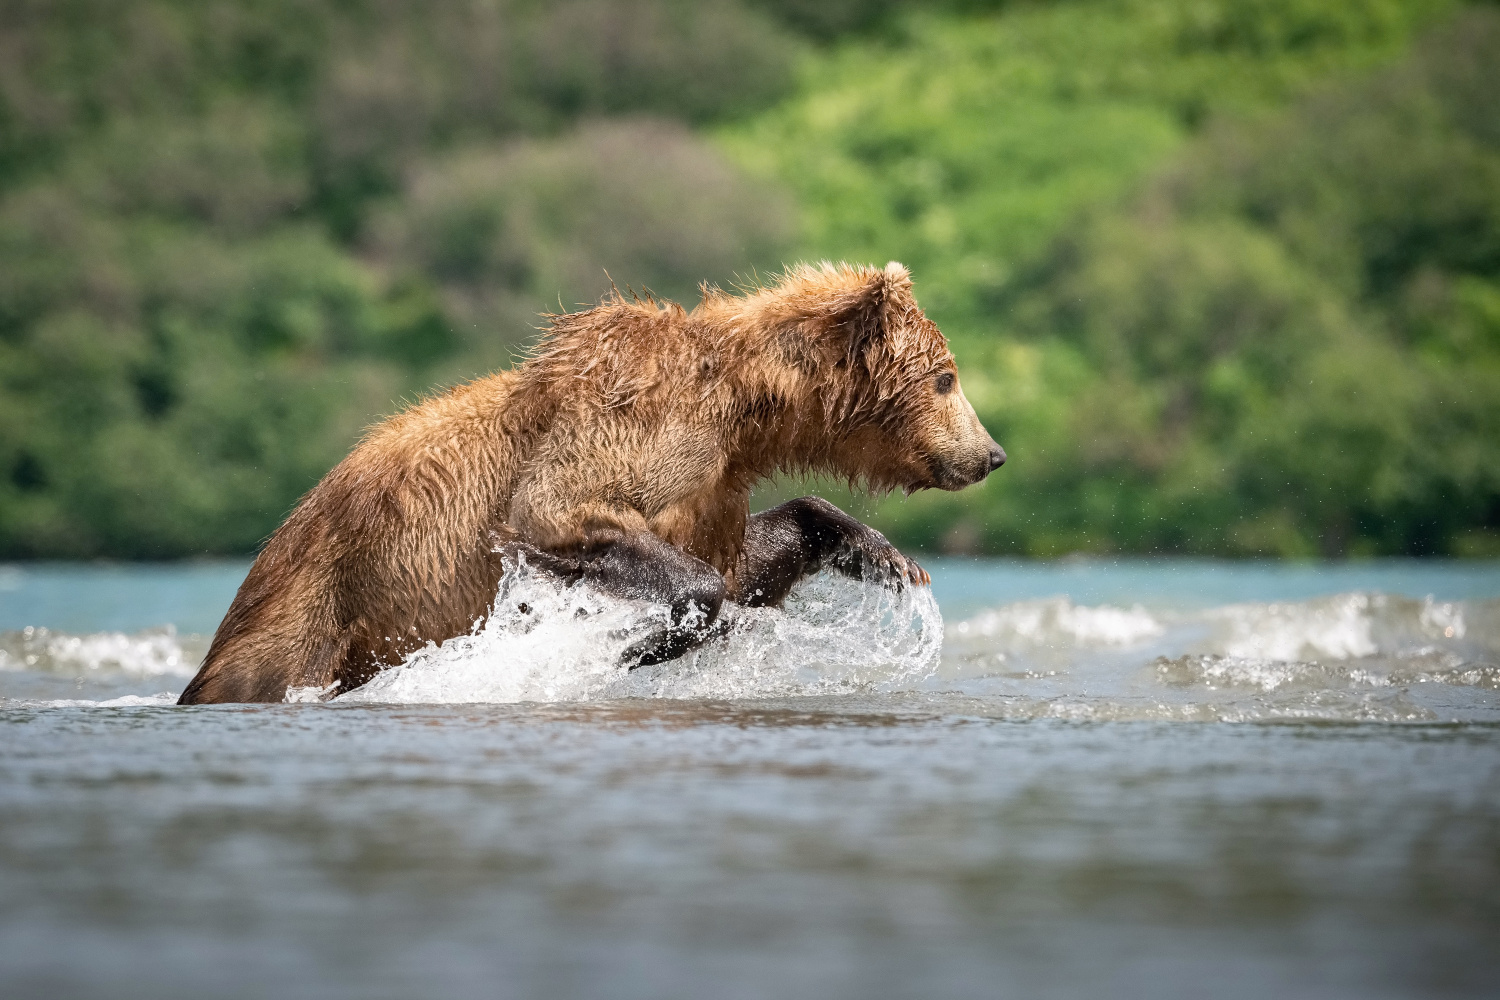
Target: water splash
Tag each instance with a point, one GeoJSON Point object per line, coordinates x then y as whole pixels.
{"type": "Point", "coordinates": [545, 641]}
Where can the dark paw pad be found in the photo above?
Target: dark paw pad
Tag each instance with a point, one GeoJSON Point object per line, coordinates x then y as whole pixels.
{"type": "Point", "coordinates": [661, 644]}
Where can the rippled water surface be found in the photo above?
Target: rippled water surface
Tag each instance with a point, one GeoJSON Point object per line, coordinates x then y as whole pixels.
{"type": "Point", "coordinates": [1125, 779]}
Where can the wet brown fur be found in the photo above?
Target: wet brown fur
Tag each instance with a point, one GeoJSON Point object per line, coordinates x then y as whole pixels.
{"type": "Point", "coordinates": [634, 415]}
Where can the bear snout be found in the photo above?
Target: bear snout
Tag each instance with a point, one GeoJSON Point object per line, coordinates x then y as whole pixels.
{"type": "Point", "coordinates": [955, 472]}
{"type": "Point", "coordinates": [964, 452]}
{"type": "Point", "coordinates": [975, 468]}
{"type": "Point", "coordinates": [997, 456]}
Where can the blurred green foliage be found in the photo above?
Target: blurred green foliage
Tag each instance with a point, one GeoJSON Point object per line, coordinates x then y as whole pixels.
{"type": "Point", "coordinates": [234, 232]}
{"type": "Point", "coordinates": [1223, 275]}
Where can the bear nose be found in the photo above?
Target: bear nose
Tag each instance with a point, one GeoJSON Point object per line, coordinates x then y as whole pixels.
{"type": "Point", "coordinates": [997, 456]}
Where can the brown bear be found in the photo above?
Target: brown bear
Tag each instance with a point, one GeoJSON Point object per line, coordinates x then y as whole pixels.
{"type": "Point", "coordinates": [623, 451]}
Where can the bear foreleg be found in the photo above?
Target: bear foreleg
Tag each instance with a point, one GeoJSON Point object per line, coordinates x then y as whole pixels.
{"type": "Point", "coordinates": [798, 538]}
{"type": "Point", "coordinates": [640, 566]}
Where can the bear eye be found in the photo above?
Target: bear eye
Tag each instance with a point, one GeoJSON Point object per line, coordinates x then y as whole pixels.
{"type": "Point", "coordinates": [944, 384]}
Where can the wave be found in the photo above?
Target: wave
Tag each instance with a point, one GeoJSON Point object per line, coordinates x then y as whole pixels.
{"type": "Point", "coordinates": [1346, 657]}
{"type": "Point", "coordinates": [1059, 620]}
{"type": "Point", "coordinates": [1338, 627]}
{"type": "Point", "coordinates": [158, 652]}
{"type": "Point", "coordinates": [1429, 667]}
{"type": "Point", "coordinates": [163, 699]}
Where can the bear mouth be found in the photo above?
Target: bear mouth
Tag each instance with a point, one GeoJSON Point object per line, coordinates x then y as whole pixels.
{"type": "Point", "coordinates": [950, 476]}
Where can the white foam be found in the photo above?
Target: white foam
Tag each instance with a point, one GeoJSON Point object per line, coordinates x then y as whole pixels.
{"type": "Point", "coordinates": [153, 653]}
{"type": "Point", "coordinates": [1337, 628]}
{"type": "Point", "coordinates": [1442, 620]}
{"type": "Point", "coordinates": [1353, 657]}
{"type": "Point", "coordinates": [165, 698]}
{"type": "Point", "coordinates": [547, 642]}
{"type": "Point", "coordinates": [1058, 619]}
{"type": "Point", "coordinates": [1215, 672]}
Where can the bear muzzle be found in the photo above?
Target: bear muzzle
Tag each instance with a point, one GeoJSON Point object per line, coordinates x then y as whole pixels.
{"type": "Point", "coordinates": [969, 453]}
{"type": "Point", "coordinates": [957, 472]}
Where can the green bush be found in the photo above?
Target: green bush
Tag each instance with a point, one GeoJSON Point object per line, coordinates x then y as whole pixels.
{"type": "Point", "coordinates": [1224, 276]}
{"type": "Point", "coordinates": [1198, 323]}
{"type": "Point", "coordinates": [233, 232]}
{"type": "Point", "coordinates": [544, 219]}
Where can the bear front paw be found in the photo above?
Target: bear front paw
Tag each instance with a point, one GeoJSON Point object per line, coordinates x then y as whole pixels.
{"type": "Point", "coordinates": [904, 570]}
{"type": "Point", "coordinates": [874, 558]}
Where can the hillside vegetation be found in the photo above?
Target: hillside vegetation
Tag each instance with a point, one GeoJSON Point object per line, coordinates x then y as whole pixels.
{"type": "Point", "coordinates": [1223, 276]}
{"type": "Point", "coordinates": [234, 232]}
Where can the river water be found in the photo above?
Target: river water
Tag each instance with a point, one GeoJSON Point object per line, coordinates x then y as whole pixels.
{"type": "Point", "coordinates": [1147, 778]}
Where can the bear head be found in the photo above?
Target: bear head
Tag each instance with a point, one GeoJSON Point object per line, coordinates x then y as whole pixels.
{"type": "Point", "coordinates": [894, 412]}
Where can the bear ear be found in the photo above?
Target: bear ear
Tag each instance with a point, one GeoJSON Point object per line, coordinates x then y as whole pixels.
{"type": "Point", "coordinates": [862, 313]}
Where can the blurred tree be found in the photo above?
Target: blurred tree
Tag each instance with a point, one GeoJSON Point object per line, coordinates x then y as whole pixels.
{"type": "Point", "coordinates": [1284, 329]}
{"type": "Point", "coordinates": [536, 218]}
{"type": "Point", "coordinates": [826, 20]}
{"type": "Point", "coordinates": [196, 316]}
{"type": "Point", "coordinates": [1198, 324]}
{"type": "Point", "coordinates": [1219, 281]}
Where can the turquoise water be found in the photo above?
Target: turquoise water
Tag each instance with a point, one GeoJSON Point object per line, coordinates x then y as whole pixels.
{"type": "Point", "coordinates": [1136, 778]}
{"type": "Point", "coordinates": [192, 596]}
